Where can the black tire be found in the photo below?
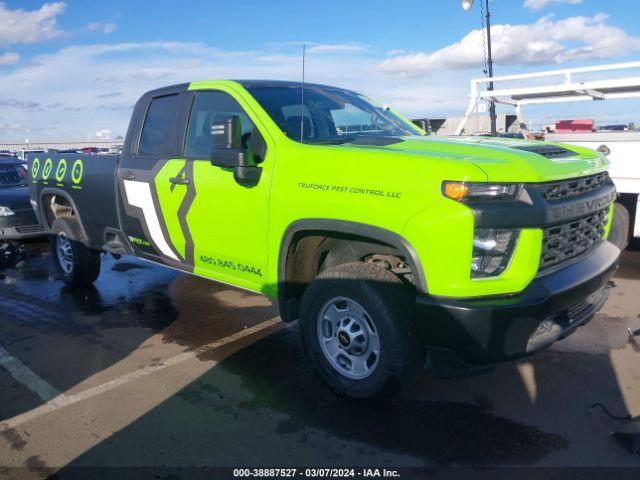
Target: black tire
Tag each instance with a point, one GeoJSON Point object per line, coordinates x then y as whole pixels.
{"type": "Point", "coordinates": [82, 266]}
{"type": "Point", "coordinates": [389, 304]}
{"type": "Point", "coordinates": [619, 234]}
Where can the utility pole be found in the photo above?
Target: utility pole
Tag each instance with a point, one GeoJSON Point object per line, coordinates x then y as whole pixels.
{"type": "Point", "coordinates": [492, 105]}
{"type": "Point", "coordinates": [466, 5]}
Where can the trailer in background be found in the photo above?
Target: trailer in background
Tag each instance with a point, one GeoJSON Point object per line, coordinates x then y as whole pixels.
{"type": "Point", "coordinates": [623, 150]}
{"type": "Point", "coordinates": [556, 86]}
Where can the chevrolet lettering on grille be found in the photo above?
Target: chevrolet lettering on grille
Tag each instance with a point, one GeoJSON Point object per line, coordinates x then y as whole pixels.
{"type": "Point", "coordinates": [581, 208]}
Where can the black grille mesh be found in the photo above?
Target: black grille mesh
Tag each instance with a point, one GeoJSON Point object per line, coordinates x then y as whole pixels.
{"type": "Point", "coordinates": [570, 188]}
{"type": "Point", "coordinates": [549, 151]}
{"type": "Point", "coordinates": [568, 240]}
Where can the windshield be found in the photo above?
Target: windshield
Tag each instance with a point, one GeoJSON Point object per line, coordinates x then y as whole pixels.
{"type": "Point", "coordinates": [12, 175]}
{"type": "Point", "coordinates": [327, 114]}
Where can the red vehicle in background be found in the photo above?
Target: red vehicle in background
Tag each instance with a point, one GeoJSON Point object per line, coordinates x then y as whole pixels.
{"type": "Point", "coordinates": [575, 126]}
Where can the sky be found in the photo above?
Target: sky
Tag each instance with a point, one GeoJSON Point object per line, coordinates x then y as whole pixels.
{"type": "Point", "coordinates": [71, 69]}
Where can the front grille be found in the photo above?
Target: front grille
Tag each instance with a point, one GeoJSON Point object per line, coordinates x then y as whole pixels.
{"type": "Point", "coordinates": [568, 240]}
{"type": "Point", "coordinates": [30, 229]}
{"type": "Point", "coordinates": [549, 151]}
{"type": "Point", "coordinates": [569, 188]}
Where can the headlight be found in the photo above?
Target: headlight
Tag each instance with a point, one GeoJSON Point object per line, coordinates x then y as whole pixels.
{"type": "Point", "coordinates": [480, 191]}
{"type": "Point", "coordinates": [492, 249]}
{"type": "Point", "coordinates": [6, 212]}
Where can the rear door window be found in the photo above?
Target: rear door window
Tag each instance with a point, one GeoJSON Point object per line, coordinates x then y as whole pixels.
{"type": "Point", "coordinates": [158, 129]}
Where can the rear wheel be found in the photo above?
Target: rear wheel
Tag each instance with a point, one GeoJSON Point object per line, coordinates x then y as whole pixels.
{"type": "Point", "coordinates": [619, 234]}
{"type": "Point", "coordinates": [77, 265]}
{"type": "Point", "coordinates": [357, 326]}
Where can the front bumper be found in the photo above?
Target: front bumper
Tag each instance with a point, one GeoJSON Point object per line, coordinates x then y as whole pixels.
{"type": "Point", "coordinates": [21, 233]}
{"type": "Point", "coordinates": [490, 330]}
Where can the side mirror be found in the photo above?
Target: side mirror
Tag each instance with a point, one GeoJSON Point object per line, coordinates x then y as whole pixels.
{"type": "Point", "coordinates": [227, 151]}
{"type": "Point", "coordinates": [227, 133]}
{"type": "Point", "coordinates": [226, 143]}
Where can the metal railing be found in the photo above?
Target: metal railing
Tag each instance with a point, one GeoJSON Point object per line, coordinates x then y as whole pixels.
{"type": "Point", "coordinates": [569, 89]}
{"type": "Point", "coordinates": [55, 145]}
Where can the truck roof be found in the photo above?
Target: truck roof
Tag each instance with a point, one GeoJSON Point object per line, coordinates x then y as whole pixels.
{"type": "Point", "coordinates": [245, 83]}
{"type": "Point", "coordinates": [279, 83]}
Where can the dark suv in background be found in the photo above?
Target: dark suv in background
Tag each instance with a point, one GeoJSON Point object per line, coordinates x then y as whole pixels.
{"type": "Point", "coordinates": [17, 218]}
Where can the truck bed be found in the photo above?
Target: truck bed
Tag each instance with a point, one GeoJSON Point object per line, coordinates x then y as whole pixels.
{"type": "Point", "coordinates": [86, 181]}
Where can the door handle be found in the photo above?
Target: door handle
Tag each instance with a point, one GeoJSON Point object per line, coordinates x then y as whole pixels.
{"type": "Point", "coordinates": [127, 176]}
{"type": "Point", "coordinates": [179, 181]}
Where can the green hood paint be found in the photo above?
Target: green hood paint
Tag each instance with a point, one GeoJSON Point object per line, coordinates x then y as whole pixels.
{"type": "Point", "coordinates": [500, 160]}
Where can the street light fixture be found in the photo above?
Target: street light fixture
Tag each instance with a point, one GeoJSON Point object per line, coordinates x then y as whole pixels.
{"type": "Point", "coordinates": [466, 5]}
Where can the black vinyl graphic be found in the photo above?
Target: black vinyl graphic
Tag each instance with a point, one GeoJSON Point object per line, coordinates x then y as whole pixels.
{"type": "Point", "coordinates": [184, 209]}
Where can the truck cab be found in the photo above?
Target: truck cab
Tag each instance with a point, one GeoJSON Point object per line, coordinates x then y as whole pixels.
{"type": "Point", "coordinates": [386, 244]}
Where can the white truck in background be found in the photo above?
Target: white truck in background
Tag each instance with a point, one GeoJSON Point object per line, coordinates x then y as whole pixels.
{"type": "Point", "coordinates": [624, 154]}
{"type": "Point", "coordinates": [579, 84]}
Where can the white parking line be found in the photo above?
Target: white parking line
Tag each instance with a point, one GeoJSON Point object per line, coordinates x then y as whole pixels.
{"type": "Point", "coordinates": [61, 400]}
{"type": "Point", "coordinates": [27, 377]}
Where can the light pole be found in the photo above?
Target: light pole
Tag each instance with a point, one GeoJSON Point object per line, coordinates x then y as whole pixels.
{"type": "Point", "coordinates": [466, 5]}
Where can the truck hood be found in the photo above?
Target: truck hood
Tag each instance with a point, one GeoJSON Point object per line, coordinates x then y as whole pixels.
{"type": "Point", "coordinates": [505, 160]}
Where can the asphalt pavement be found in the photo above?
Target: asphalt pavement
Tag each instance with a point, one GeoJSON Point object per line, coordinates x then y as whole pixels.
{"type": "Point", "coordinates": [156, 368]}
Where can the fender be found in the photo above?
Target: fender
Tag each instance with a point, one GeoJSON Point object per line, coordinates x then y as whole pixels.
{"type": "Point", "coordinates": [352, 228]}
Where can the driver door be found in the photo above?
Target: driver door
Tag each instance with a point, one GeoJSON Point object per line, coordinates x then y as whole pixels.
{"type": "Point", "coordinates": [226, 221]}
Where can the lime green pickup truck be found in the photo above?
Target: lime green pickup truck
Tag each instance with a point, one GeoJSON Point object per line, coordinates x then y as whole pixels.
{"type": "Point", "coordinates": [388, 245]}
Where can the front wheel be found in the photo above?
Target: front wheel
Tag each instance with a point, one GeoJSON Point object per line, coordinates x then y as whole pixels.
{"type": "Point", "coordinates": [357, 326]}
{"type": "Point", "coordinates": [77, 265]}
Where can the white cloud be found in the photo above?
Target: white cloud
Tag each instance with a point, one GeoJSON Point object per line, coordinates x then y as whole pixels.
{"type": "Point", "coordinates": [325, 48]}
{"type": "Point", "coordinates": [335, 48]}
{"type": "Point", "coordinates": [540, 4]}
{"type": "Point", "coordinates": [29, 26]}
{"type": "Point", "coordinates": [79, 90]}
{"type": "Point", "coordinates": [109, 28]}
{"type": "Point", "coordinates": [101, 83]}
{"type": "Point", "coordinates": [105, 28]}
{"type": "Point", "coordinates": [9, 58]}
{"type": "Point", "coordinates": [544, 42]}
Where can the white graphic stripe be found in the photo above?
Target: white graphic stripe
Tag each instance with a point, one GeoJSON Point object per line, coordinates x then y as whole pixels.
{"type": "Point", "coordinates": [139, 195]}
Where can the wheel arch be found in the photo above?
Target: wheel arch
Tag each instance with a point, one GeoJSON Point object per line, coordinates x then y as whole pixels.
{"type": "Point", "coordinates": [48, 215]}
{"type": "Point", "coordinates": [328, 229]}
